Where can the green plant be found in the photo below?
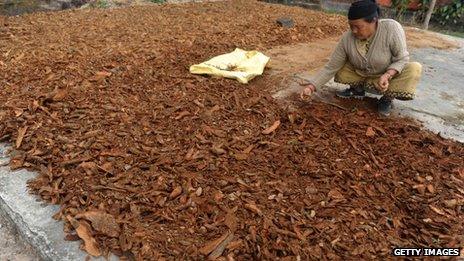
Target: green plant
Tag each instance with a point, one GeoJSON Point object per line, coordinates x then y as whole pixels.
{"type": "Point", "coordinates": [158, 1]}
{"type": "Point", "coordinates": [450, 14]}
{"type": "Point", "coordinates": [400, 6]}
{"type": "Point", "coordinates": [99, 4]}
{"type": "Point", "coordinates": [444, 15]}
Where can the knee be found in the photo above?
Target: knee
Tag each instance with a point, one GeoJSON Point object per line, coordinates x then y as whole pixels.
{"type": "Point", "coordinates": [339, 77]}
{"type": "Point", "coordinates": [343, 75]}
{"type": "Point", "coordinates": [414, 68]}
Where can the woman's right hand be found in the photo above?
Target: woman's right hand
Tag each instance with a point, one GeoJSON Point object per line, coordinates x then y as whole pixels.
{"type": "Point", "coordinates": [308, 90]}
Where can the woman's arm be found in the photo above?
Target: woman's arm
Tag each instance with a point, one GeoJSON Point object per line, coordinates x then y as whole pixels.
{"type": "Point", "coordinates": [336, 62]}
{"type": "Point", "coordinates": [398, 48]}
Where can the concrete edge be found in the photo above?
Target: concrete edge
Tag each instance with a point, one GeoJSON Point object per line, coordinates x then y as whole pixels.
{"type": "Point", "coordinates": [34, 240]}
{"type": "Point", "coordinates": [6, 213]}
{"type": "Point", "coordinates": [32, 218]}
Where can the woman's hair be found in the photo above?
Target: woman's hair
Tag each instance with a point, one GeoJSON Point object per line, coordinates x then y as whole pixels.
{"type": "Point", "coordinates": [364, 9]}
{"type": "Point", "coordinates": [373, 17]}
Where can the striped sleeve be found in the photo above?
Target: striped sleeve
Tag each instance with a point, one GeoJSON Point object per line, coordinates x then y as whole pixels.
{"type": "Point", "coordinates": [335, 63]}
{"type": "Point", "coordinates": [398, 48]}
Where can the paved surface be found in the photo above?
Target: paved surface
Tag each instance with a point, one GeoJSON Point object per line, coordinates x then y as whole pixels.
{"type": "Point", "coordinates": [440, 99]}
{"type": "Point", "coordinates": [12, 247]}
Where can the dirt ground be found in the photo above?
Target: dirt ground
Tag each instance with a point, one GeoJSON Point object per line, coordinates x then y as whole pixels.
{"type": "Point", "coordinates": [151, 162]}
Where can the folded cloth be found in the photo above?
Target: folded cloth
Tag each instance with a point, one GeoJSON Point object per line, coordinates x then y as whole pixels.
{"type": "Point", "coordinates": [240, 65]}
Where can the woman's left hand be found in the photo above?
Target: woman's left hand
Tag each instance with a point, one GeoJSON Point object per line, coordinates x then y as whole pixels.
{"type": "Point", "coordinates": [384, 82]}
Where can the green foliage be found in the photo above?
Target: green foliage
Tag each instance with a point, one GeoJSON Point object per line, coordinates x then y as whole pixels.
{"type": "Point", "coordinates": [449, 14]}
{"type": "Point", "coordinates": [452, 33]}
{"type": "Point", "coordinates": [102, 4]}
{"type": "Point", "coordinates": [158, 1]}
{"type": "Point", "coordinates": [444, 15]}
{"type": "Point", "coordinates": [400, 6]}
{"type": "Point", "coordinates": [99, 4]}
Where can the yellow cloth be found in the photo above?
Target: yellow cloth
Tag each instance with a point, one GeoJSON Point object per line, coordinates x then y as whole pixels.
{"type": "Point", "coordinates": [402, 86]}
{"type": "Point", "coordinates": [239, 64]}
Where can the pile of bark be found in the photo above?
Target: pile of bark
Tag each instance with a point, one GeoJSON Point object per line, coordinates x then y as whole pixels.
{"type": "Point", "coordinates": [148, 161]}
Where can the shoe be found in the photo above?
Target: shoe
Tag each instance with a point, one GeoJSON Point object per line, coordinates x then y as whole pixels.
{"type": "Point", "coordinates": [352, 92]}
{"type": "Point", "coordinates": [384, 106]}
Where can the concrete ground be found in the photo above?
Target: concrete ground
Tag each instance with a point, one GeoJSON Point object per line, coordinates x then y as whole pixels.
{"type": "Point", "coordinates": [440, 101]}
{"type": "Point", "coordinates": [439, 105]}
{"type": "Point", "coordinates": [12, 247]}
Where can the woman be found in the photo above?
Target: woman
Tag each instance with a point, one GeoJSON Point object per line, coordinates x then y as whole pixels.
{"type": "Point", "coordinates": [371, 57]}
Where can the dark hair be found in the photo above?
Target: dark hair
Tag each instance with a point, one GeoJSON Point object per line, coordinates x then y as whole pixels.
{"type": "Point", "coordinates": [368, 10]}
{"type": "Point", "coordinates": [373, 17]}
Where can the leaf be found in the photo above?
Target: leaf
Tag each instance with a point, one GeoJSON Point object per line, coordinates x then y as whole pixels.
{"type": "Point", "coordinates": [20, 56]}
{"type": "Point", "coordinates": [100, 76]}
{"type": "Point", "coordinates": [420, 188]}
{"type": "Point", "coordinates": [182, 115]}
{"type": "Point", "coordinates": [214, 109]}
{"type": "Point", "coordinates": [241, 156]}
{"type": "Point", "coordinates": [272, 128]}
{"type": "Point", "coordinates": [253, 208]}
{"type": "Point", "coordinates": [60, 95]}
{"type": "Point", "coordinates": [103, 74]}
{"type": "Point", "coordinates": [106, 167]}
{"type": "Point", "coordinates": [189, 154]}
{"type": "Point", "coordinates": [90, 244]}
{"type": "Point", "coordinates": [89, 167]}
{"type": "Point", "coordinates": [221, 247]}
{"type": "Point", "coordinates": [214, 244]}
{"type": "Point", "coordinates": [216, 149]}
{"type": "Point", "coordinates": [231, 221]}
{"type": "Point", "coordinates": [248, 149]}
{"type": "Point", "coordinates": [291, 118]}
{"type": "Point", "coordinates": [102, 222]}
{"type": "Point", "coordinates": [235, 245]}
{"type": "Point", "coordinates": [50, 77]}
{"type": "Point", "coordinates": [176, 192]}
{"type": "Point", "coordinates": [218, 196]}
{"type": "Point", "coordinates": [384, 133]}
{"type": "Point", "coordinates": [18, 112]}
{"type": "Point", "coordinates": [198, 103]}
{"type": "Point", "coordinates": [430, 188]}
{"type": "Point", "coordinates": [437, 210]}
{"type": "Point", "coordinates": [335, 194]}
{"type": "Point", "coordinates": [370, 132]}
{"type": "Point", "coordinates": [451, 203]}
{"type": "Point", "coordinates": [21, 133]}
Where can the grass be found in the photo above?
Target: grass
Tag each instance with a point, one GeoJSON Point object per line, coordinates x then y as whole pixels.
{"type": "Point", "coordinates": [452, 33]}
{"type": "Point", "coordinates": [344, 13]}
{"type": "Point", "coordinates": [102, 4]}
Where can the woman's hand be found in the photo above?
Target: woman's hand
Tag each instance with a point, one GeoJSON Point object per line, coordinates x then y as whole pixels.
{"type": "Point", "coordinates": [308, 90]}
{"type": "Point", "coordinates": [384, 82]}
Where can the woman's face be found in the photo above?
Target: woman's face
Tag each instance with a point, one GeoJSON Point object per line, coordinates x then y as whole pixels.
{"type": "Point", "coordinates": [361, 29]}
